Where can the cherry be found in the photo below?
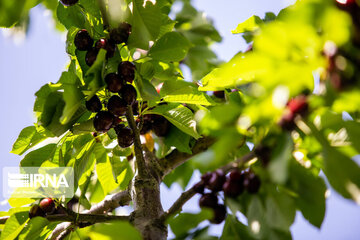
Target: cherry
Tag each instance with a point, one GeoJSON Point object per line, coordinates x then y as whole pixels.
{"type": "Point", "coordinates": [117, 106]}
{"type": "Point", "coordinates": [94, 104]}
{"type": "Point", "coordinates": [208, 200]}
{"type": "Point", "coordinates": [219, 214]}
{"type": "Point", "coordinates": [161, 126]}
{"type": "Point", "coordinates": [216, 181]}
{"type": "Point", "coordinates": [287, 121]}
{"type": "Point", "coordinates": [114, 82]}
{"type": "Point", "coordinates": [252, 183]}
{"type": "Point", "coordinates": [233, 188]}
{"type": "Point", "coordinates": [125, 136]}
{"type": "Point", "coordinates": [83, 41]}
{"type": "Point", "coordinates": [109, 46]}
{"type": "Point", "coordinates": [263, 153]}
{"type": "Point", "coordinates": [47, 205]}
{"type": "Point", "coordinates": [126, 70]}
{"type": "Point", "coordinates": [90, 56]}
{"type": "Point", "coordinates": [206, 177]}
{"type": "Point", "coordinates": [128, 93]}
{"type": "Point", "coordinates": [199, 187]}
{"type": "Point", "coordinates": [103, 121]}
{"type": "Point", "coordinates": [120, 34]}
{"type": "Point", "coordinates": [219, 94]}
{"type": "Point", "coordinates": [36, 211]}
{"type": "Point", "coordinates": [298, 105]}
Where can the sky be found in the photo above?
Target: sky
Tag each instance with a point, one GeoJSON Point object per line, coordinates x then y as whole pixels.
{"type": "Point", "coordinates": [41, 58]}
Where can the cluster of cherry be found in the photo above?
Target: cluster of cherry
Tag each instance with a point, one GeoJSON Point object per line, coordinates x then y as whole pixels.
{"type": "Point", "coordinates": [84, 42]}
{"type": "Point", "coordinates": [232, 186]}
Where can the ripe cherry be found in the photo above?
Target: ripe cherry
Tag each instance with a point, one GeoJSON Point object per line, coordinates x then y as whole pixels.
{"type": "Point", "coordinates": [126, 70]}
{"type": "Point", "coordinates": [117, 106]}
{"type": "Point", "coordinates": [219, 94]}
{"type": "Point", "coordinates": [47, 205]}
{"type": "Point", "coordinates": [69, 2]}
{"type": "Point", "coordinates": [298, 105]}
{"type": "Point", "coordinates": [90, 56]}
{"type": "Point", "coordinates": [206, 177]}
{"type": "Point", "coordinates": [252, 183]}
{"type": "Point", "coordinates": [94, 104]}
{"type": "Point", "coordinates": [114, 82]}
{"type": "Point", "coordinates": [108, 45]}
{"type": "Point", "coordinates": [216, 181]}
{"type": "Point", "coordinates": [120, 34]}
{"type": "Point", "coordinates": [160, 126]}
{"type": "Point", "coordinates": [147, 124]}
{"type": "Point", "coordinates": [103, 121]}
{"type": "Point", "coordinates": [128, 93]}
{"type": "Point", "coordinates": [233, 188]}
{"type": "Point", "coordinates": [287, 121]}
{"type": "Point", "coordinates": [36, 211]}
{"type": "Point", "coordinates": [219, 214]}
{"type": "Point", "coordinates": [208, 200]}
{"type": "Point", "coordinates": [125, 136]}
{"type": "Point", "coordinates": [83, 41]}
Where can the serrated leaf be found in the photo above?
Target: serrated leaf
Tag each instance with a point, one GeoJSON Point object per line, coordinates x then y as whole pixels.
{"type": "Point", "coordinates": [184, 92]}
{"type": "Point", "coordinates": [235, 230]}
{"type": "Point", "coordinates": [178, 115]}
{"type": "Point", "coordinates": [70, 16]}
{"type": "Point", "coordinates": [249, 25]}
{"type": "Point", "coordinates": [171, 47]}
{"type": "Point", "coordinates": [178, 139]}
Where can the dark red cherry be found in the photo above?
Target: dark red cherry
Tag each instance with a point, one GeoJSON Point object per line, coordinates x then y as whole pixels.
{"type": "Point", "coordinates": [103, 121]}
{"type": "Point", "coordinates": [128, 93]}
{"type": "Point", "coordinates": [108, 45]}
{"type": "Point", "coordinates": [69, 2]}
{"type": "Point", "coordinates": [47, 205]}
{"type": "Point", "coordinates": [160, 126]}
{"type": "Point", "coordinates": [208, 200]}
{"type": "Point", "coordinates": [36, 211]}
{"type": "Point", "coordinates": [206, 177]}
{"type": "Point", "coordinates": [216, 181]}
{"type": "Point", "coordinates": [219, 214]}
{"type": "Point", "coordinates": [114, 82]}
{"type": "Point", "coordinates": [219, 94]}
{"type": "Point", "coordinates": [83, 41]}
{"type": "Point", "coordinates": [90, 56]}
{"type": "Point", "coordinates": [117, 106]}
{"type": "Point", "coordinates": [120, 34]}
{"type": "Point", "coordinates": [94, 104]}
{"type": "Point", "coordinates": [252, 183]}
{"type": "Point", "coordinates": [125, 136]}
{"type": "Point", "coordinates": [233, 188]}
{"type": "Point", "coordinates": [298, 105]}
{"type": "Point", "coordinates": [126, 70]}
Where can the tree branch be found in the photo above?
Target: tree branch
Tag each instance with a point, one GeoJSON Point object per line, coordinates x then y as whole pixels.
{"type": "Point", "coordinates": [141, 166]}
{"type": "Point", "coordinates": [110, 202]}
{"type": "Point", "coordinates": [177, 158]}
{"type": "Point", "coordinates": [187, 195]}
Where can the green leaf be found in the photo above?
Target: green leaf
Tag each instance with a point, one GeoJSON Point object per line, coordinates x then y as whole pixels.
{"type": "Point", "coordinates": [235, 230]}
{"type": "Point", "coordinates": [184, 92]}
{"type": "Point", "coordinates": [178, 139]}
{"type": "Point", "coordinates": [146, 23]}
{"type": "Point", "coordinates": [184, 222]}
{"type": "Point", "coordinates": [14, 225]}
{"type": "Point", "coordinates": [171, 47]}
{"type": "Point", "coordinates": [13, 11]}
{"type": "Point", "coordinates": [178, 115]}
{"type": "Point", "coordinates": [281, 156]}
{"type": "Point", "coordinates": [70, 16]}
{"type": "Point", "coordinates": [37, 157]}
{"type": "Point", "coordinates": [122, 171]}
{"type": "Point", "coordinates": [353, 130]}
{"type": "Point", "coordinates": [249, 25]}
{"type": "Point", "coordinates": [180, 175]}
{"type": "Point", "coordinates": [311, 194]}
{"type": "Point", "coordinates": [115, 230]}
{"type": "Point", "coordinates": [256, 218]}
{"type": "Point", "coordinates": [34, 229]}
{"type": "Point", "coordinates": [104, 169]}
{"type": "Point", "coordinates": [27, 139]}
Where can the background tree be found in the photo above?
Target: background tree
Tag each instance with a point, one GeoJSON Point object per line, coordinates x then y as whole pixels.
{"type": "Point", "coordinates": [260, 117]}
